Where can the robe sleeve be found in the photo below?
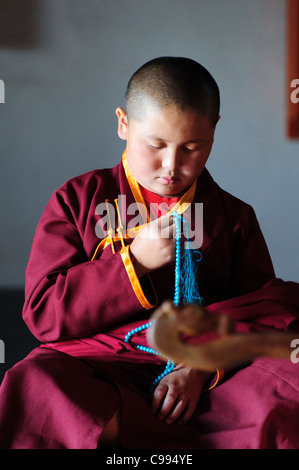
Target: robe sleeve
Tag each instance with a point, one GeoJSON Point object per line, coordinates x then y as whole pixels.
{"type": "Point", "coordinates": [66, 295]}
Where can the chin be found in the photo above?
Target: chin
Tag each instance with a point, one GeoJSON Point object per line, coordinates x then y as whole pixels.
{"type": "Point", "coordinates": [171, 193]}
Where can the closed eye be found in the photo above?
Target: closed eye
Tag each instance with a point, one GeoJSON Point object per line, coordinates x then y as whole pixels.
{"type": "Point", "coordinates": [156, 147]}
{"type": "Point", "coordinates": [187, 149]}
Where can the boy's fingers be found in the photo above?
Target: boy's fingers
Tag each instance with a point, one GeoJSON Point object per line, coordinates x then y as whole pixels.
{"type": "Point", "coordinates": [162, 227]}
{"type": "Point", "coordinates": [177, 412]}
{"type": "Point", "coordinates": [158, 396]}
{"type": "Point", "coordinates": [168, 403]}
{"type": "Point", "coordinates": [189, 411]}
{"type": "Point", "coordinates": [164, 220]}
{"type": "Point", "coordinates": [168, 232]}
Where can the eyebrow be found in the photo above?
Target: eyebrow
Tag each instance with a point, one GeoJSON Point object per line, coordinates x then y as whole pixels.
{"type": "Point", "coordinates": [194, 141]}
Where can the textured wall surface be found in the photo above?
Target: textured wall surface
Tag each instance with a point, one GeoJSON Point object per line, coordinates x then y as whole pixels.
{"type": "Point", "coordinates": [65, 65]}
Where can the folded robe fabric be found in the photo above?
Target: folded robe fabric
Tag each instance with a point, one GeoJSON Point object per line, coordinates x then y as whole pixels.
{"type": "Point", "coordinates": [64, 393]}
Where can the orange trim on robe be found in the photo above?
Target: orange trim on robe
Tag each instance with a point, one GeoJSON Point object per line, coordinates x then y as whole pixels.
{"type": "Point", "coordinates": [181, 206]}
{"type": "Point", "coordinates": [125, 255]}
{"type": "Point", "coordinates": [219, 377]}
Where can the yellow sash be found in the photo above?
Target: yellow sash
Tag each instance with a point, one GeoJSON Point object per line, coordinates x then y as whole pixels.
{"type": "Point", "coordinates": [180, 207]}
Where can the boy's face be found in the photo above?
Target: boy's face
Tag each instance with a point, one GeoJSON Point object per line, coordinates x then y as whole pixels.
{"type": "Point", "coordinates": [168, 149]}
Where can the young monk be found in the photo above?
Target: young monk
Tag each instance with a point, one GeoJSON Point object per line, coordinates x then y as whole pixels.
{"type": "Point", "coordinates": [95, 275]}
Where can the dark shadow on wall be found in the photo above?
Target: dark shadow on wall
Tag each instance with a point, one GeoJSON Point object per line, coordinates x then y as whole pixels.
{"type": "Point", "coordinates": [17, 339]}
{"type": "Point", "coordinates": [19, 23]}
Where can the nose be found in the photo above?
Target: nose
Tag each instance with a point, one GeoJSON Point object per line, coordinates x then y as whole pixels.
{"type": "Point", "coordinates": [171, 160]}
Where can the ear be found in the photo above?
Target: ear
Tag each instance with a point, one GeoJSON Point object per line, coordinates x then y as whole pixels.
{"type": "Point", "coordinates": [122, 129]}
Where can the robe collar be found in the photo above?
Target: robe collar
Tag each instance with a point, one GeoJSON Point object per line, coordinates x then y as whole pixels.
{"type": "Point", "coordinates": [204, 190]}
{"type": "Point", "coordinates": [181, 206]}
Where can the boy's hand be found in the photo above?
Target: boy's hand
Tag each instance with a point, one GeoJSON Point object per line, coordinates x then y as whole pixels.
{"type": "Point", "coordinates": [176, 396]}
{"type": "Point", "coordinates": [154, 246]}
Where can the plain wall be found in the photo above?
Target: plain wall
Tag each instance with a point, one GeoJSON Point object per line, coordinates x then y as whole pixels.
{"type": "Point", "coordinates": [65, 65]}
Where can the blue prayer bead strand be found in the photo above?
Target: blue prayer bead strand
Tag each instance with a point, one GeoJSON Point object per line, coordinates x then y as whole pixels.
{"type": "Point", "coordinates": [178, 274]}
{"type": "Point", "coordinates": [136, 330]}
{"type": "Point", "coordinates": [169, 366]}
{"type": "Point", "coordinates": [176, 300]}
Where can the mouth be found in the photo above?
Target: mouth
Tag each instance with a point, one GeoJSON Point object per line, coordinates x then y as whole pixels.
{"type": "Point", "coordinates": [168, 180]}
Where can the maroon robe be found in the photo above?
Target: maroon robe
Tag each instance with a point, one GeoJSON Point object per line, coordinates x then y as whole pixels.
{"type": "Point", "coordinates": [64, 392]}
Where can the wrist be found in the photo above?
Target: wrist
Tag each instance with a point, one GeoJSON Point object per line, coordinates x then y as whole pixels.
{"type": "Point", "coordinates": [202, 375]}
{"type": "Point", "coordinates": [140, 269]}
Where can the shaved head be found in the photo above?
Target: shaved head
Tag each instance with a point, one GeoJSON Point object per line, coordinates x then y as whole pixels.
{"type": "Point", "coordinates": [175, 81]}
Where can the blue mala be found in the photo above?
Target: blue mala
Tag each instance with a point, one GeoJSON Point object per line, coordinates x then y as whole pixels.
{"type": "Point", "coordinates": [185, 291]}
{"type": "Point", "coordinates": [186, 267]}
